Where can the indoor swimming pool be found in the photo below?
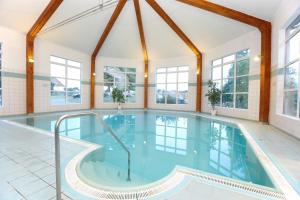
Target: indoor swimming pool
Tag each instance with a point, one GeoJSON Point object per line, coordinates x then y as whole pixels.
{"type": "Point", "coordinates": [158, 141]}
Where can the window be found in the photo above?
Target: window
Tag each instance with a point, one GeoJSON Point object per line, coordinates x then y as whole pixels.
{"type": "Point", "coordinates": [231, 75]}
{"type": "Point", "coordinates": [172, 85]}
{"type": "Point", "coordinates": [171, 134]}
{"type": "Point", "coordinates": [122, 78]}
{"type": "Point", "coordinates": [292, 75]}
{"type": "Point", "coordinates": [65, 81]}
{"type": "Point", "coordinates": [1, 91]}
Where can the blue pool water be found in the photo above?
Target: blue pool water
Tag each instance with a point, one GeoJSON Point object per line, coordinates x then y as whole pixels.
{"type": "Point", "coordinates": [158, 141]}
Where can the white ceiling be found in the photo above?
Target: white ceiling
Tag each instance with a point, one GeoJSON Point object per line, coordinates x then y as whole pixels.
{"type": "Point", "coordinates": [205, 29]}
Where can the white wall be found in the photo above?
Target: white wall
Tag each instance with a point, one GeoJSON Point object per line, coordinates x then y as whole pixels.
{"type": "Point", "coordinates": [249, 40]}
{"type": "Point", "coordinates": [42, 52]}
{"type": "Point", "coordinates": [191, 61]}
{"type": "Point", "coordinates": [13, 71]}
{"type": "Point", "coordinates": [286, 12]}
{"type": "Point", "coordinates": [101, 62]}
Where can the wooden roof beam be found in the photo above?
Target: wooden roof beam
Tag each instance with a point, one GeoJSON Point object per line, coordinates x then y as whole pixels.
{"type": "Point", "coordinates": [31, 35]}
{"type": "Point", "coordinates": [188, 42]}
{"type": "Point", "coordinates": [100, 43]}
{"type": "Point", "coordinates": [144, 48]}
{"type": "Point", "coordinates": [265, 28]}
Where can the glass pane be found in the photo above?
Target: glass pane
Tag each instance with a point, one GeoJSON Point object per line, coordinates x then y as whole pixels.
{"type": "Point", "coordinates": [161, 78]}
{"type": "Point", "coordinates": [1, 97]}
{"type": "Point", "coordinates": [242, 54]}
{"type": "Point", "coordinates": [293, 48]}
{"type": "Point", "coordinates": [291, 76]}
{"type": "Point", "coordinates": [73, 73]}
{"type": "Point", "coordinates": [290, 103]}
{"type": "Point", "coordinates": [242, 67]}
{"type": "Point", "coordinates": [172, 78]}
{"type": "Point", "coordinates": [131, 70]}
{"type": "Point", "coordinates": [130, 93]}
{"type": "Point", "coordinates": [182, 93]}
{"type": "Point", "coordinates": [216, 73]}
{"type": "Point", "coordinates": [172, 69]}
{"type": "Point", "coordinates": [73, 63]}
{"type": "Point", "coordinates": [228, 70]}
{"type": "Point", "coordinates": [160, 93]}
{"type": "Point", "coordinates": [171, 93]}
{"type": "Point", "coordinates": [73, 97]}
{"type": "Point", "coordinates": [159, 70]}
{"type": "Point", "coordinates": [57, 71]}
{"type": "Point", "coordinates": [108, 77]}
{"type": "Point", "coordinates": [242, 101]}
{"type": "Point", "coordinates": [183, 68]}
{"type": "Point", "coordinates": [130, 78]}
{"type": "Point", "coordinates": [228, 85]}
{"type": "Point", "coordinates": [294, 26]}
{"type": "Point", "coordinates": [229, 58]}
{"type": "Point", "coordinates": [58, 84]}
{"type": "Point", "coordinates": [218, 84]}
{"type": "Point", "coordinates": [109, 69]}
{"type": "Point", "coordinates": [108, 87]}
{"type": "Point", "coordinates": [120, 80]}
{"type": "Point", "coordinates": [120, 69]}
{"type": "Point", "coordinates": [73, 86]}
{"type": "Point", "coordinates": [183, 77]}
{"type": "Point", "coordinates": [227, 100]}
{"type": "Point", "coordinates": [217, 62]}
{"type": "Point", "coordinates": [242, 84]}
{"type": "Point", "coordinates": [57, 60]}
{"type": "Point", "coordinates": [58, 97]}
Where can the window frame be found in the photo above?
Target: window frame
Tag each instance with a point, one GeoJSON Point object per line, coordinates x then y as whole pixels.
{"type": "Point", "coordinates": [66, 66]}
{"type": "Point", "coordinates": [288, 64]}
{"type": "Point", "coordinates": [125, 81]}
{"type": "Point", "coordinates": [1, 75]}
{"type": "Point", "coordinates": [177, 83]}
{"type": "Point", "coordinates": [234, 77]}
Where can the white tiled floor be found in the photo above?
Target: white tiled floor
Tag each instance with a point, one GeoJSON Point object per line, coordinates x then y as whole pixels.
{"type": "Point", "coordinates": [27, 165]}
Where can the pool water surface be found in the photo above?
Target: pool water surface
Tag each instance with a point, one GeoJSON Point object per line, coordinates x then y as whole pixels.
{"type": "Point", "coordinates": [158, 142]}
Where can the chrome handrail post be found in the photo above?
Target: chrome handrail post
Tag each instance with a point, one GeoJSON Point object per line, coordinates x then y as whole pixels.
{"type": "Point", "coordinates": [57, 147]}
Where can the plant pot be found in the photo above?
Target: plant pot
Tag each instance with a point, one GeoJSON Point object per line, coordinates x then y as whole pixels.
{"type": "Point", "coordinates": [213, 112]}
{"type": "Point", "coordinates": [119, 107]}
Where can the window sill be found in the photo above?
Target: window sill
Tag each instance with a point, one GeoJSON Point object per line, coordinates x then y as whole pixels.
{"type": "Point", "coordinates": [288, 117]}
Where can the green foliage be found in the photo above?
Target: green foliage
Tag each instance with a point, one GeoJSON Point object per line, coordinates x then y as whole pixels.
{"type": "Point", "coordinates": [213, 94]}
{"type": "Point", "coordinates": [118, 95]}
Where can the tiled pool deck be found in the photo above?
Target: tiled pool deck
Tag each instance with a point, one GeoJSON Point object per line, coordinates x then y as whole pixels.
{"type": "Point", "coordinates": [27, 169]}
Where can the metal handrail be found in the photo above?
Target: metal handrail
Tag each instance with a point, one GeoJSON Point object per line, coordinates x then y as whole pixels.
{"type": "Point", "coordinates": [57, 146]}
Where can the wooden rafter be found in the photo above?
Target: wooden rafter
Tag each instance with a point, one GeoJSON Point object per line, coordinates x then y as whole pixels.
{"type": "Point", "coordinates": [265, 28]}
{"type": "Point", "coordinates": [100, 43]}
{"type": "Point", "coordinates": [188, 42]}
{"type": "Point", "coordinates": [144, 47]}
{"type": "Point", "coordinates": [31, 35]}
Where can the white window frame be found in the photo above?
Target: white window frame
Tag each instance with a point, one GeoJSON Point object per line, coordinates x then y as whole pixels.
{"type": "Point", "coordinates": [234, 77]}
{"type": "Point", "coordinates": [66, 79]}
{"type": "Point", "coordinates": [114, 82]}
{"type": "Point", "coordinates": [166, 83]}
{"type": "Point", "coordinates": [288, 64]}
{"type": "Point", "coordinates": [1, 74]}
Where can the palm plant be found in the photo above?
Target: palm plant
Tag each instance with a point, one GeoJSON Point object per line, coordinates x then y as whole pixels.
{"type": "Point", "coordinates": [118, 95]}
{"type": "Point", "coordinates": [213, 94]}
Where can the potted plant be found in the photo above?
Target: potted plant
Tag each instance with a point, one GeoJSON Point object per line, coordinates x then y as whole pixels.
{"type": "Point", "coordinates": [118, 97]}
{"type": "Point", "coordinates": [214, 96]}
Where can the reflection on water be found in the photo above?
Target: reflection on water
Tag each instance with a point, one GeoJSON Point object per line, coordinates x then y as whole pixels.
{"type": "Point", "coordinates": [158, 143]}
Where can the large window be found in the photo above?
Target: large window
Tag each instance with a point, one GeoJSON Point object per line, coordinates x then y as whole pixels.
{"type": "Point", "coordinates": [231, 74]}
{"type": "Point", "coordinates": [65, 81]}
{"type": "Point", "coordinates": [122, 78]}
{"type": "Point", "coordinates": [292, 63]}
{"type": "Point", "coordinates": [172, 85]}
{"type": "Point", "coordinates": [1, 75]}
